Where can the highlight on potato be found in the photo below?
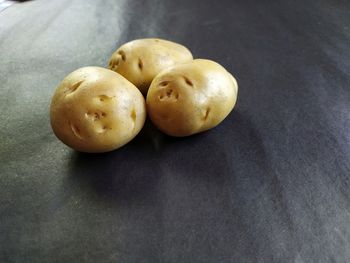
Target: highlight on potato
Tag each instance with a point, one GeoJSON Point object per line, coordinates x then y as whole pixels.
{"type": "Point", "coordinates": [191, 97]}
{"type": "Point", "coordinates": [96, 110]}
{"type": "Point", "coordinates": [141, 60]}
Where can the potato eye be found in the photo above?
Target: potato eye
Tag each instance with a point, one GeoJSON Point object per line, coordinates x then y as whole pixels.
{"type": "Point", "coordinates": [140, 64]}
{"type": "Point", "coordinates": [188, 81]}
{"type": "Point", "coordinates": [122, 54]}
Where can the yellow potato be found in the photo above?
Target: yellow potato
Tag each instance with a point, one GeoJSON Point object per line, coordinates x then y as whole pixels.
{"type": "Point", "coordinates": [96, 110]}
{"type": "Point", "coordinates": [192, 97]}
{"type": "Point", "coordinates": [141, 60]}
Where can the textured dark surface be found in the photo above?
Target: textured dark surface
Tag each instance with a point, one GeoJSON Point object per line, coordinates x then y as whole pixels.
{"type": "Point", "coordinates": [270, 184]}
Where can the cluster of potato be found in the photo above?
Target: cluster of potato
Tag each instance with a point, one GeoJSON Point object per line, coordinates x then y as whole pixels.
{"type": "Point", "coordinates": [98, 110]}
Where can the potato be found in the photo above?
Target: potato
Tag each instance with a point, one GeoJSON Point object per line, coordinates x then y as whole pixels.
{"type": "Point", "coordinates": [192, 97]}
{"type": "Point", "coordinates": [96, 110]}
{"type": "Point", "coordinates": [141, 60]}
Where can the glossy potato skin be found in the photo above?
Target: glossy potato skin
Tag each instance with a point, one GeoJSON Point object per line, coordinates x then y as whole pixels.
{"type": "Point", "coordinates": [141, 60]}
{"type": "Point", "coordinates": [192, 97]}
{"type": "Point", "coordinates": [96, 110]}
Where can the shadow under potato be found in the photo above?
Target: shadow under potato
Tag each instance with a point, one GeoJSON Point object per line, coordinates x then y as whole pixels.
{"type": "Point", "coordinates": [124, 173]}
{"type": "Point", "coordinates": [131, 171]}
{"type": "Point", "coordinates": [140, 169]}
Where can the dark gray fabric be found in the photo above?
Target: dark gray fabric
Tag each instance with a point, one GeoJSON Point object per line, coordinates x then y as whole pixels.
{"type": "Point", "coordinates": [270, 184]}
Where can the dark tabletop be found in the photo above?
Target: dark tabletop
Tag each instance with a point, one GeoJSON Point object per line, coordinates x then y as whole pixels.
{"type": "Point", "coordinates": [270, 184]}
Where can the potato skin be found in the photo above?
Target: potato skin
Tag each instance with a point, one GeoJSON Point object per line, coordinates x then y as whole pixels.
{"type": "Point", "coordinates": [141, 60]}
{"type": "Point", "coordinates": [96, 110]}
{"type": "Point", "coordinates": [192, 97]}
